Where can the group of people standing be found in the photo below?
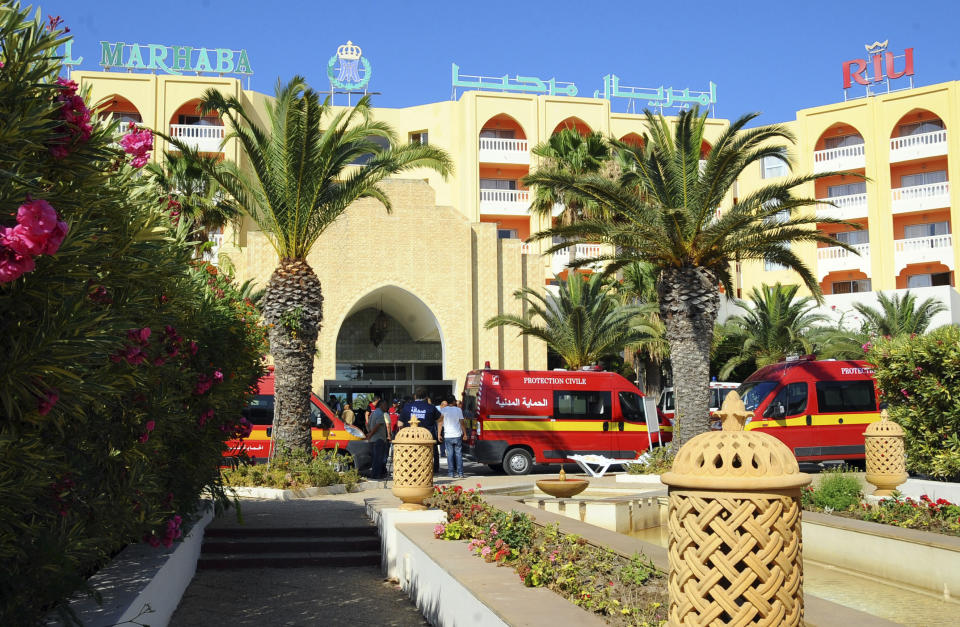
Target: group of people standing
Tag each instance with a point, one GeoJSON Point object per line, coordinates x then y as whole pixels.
{"type": "Point", "coordinates": [445, 422]}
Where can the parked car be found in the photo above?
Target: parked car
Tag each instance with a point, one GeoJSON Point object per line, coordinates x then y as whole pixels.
{"type": "Point", "coordinates": [328, 431]}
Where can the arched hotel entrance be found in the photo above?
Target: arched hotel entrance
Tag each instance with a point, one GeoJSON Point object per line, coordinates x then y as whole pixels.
{"type": "Point", "coordinates": [389, 344]}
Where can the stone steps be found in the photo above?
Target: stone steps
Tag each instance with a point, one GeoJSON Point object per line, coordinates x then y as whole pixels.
{"type": "Point", "coordinates": [289, 547]}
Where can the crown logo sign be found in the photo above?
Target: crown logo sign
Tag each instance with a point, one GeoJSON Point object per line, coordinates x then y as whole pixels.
{"type": "Point", "coordinates": [876, 47]}
{"type": "Point", "coordinates": [349, 52]}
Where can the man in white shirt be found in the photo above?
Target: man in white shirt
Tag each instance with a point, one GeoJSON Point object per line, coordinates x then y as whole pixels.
{"type": "Point", "coordinates": [452, 433]}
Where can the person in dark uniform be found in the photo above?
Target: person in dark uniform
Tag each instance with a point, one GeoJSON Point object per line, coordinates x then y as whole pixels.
{"type": "Point", "coordinates": [427, 415]}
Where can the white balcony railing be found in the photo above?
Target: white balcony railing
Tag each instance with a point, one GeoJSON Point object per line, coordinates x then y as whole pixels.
{"type": "Point", "coordinates": [920, 197]}
{"type": "Point", "coordinates": [504, 202]}
{"type": "Point", "coordinates": [919, 146]}
{"type": "Point", "coordinates": [842, 158]}
{"type": "Point", "coordinates": [931, 249]}
{"type": "Point", "coordinates": [202, 137]}
{"type": "Point", "coordinates": [213, 253]}
{"type": "Point", "coordinates": [835, 259]}
{"type": "Point", "coordinates": [844, 207]}
{"type": "Point", "coordinates": [496, 150]}
{"type": "Point", "coordinates": [562, 258]}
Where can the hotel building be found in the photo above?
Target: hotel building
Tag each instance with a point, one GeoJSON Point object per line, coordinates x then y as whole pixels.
{"type": "Point", "coordinates": [452, 252]}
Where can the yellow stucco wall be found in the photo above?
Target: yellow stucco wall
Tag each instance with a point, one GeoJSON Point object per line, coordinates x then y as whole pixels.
{"type": "Point", "coordinates": [471, 275]}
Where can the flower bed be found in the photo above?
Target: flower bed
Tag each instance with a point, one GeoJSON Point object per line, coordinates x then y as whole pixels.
{"type": "Point", "coordinates": [623, 592]}
{"type": "Point", "coordinates": [659, 461]}
{"type": "Point", "coordinates": [296, 472]}
{"type": "Point", "coordinates": [840, 494]}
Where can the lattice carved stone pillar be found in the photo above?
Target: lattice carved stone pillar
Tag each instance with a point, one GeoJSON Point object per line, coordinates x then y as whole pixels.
{"type": "Point", "coordinates": [886, 457]}
{"type": "Point", "coordinates": [734, 523]}
{"type": "Point", "coordinates": [413, 466]}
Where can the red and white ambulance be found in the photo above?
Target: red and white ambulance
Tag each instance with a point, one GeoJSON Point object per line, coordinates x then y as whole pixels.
{"type": "Point", "coordinates": [819, 409]}
{"type": "Point", "coordinates": [328, 431]}
{"type": "Point", "coordinates": [517, 417]}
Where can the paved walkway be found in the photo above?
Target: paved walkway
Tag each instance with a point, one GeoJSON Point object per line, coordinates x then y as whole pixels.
{"type": "Point", "coordinates": [312, 596]}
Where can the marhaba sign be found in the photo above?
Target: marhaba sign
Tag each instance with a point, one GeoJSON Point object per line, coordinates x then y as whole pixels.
{"type": "Point", "coordinates": [174, 59]}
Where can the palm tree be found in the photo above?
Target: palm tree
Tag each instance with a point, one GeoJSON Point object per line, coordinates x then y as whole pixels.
{"type": "Point", "coordinates": [664, 212]}
{"type": "Point", "coordinates": [568, 152]}
{"type": "Point", "coordinates": [582, 322]}
{"type": "Point", "coordinates": [898, 316]}
{"type": "Point", "coordinates": [184, 178]}
{"type": "Point", "coordinates": [307, 168]}
{"type": "Point", "coordinates": [776, 324]}
{"type": "Point", "coordinates": [638, 286]}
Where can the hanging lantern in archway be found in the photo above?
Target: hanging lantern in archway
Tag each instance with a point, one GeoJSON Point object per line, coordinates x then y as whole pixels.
{"type": "Point", "coordinates": [378, 329]}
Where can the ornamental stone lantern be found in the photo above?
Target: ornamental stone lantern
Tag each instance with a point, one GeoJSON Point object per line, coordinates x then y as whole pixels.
{"type": "Point", "coordinates": [886, 457]}
{"type": "Point", "coordinates": [734, 524]}
{"type": "Point", "coordinates": [413, 465]}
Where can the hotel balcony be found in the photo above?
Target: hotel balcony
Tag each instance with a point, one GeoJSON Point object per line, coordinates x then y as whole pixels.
{"type": "Point", "coordinates": [504, 202]}
{"type": "Point", "coordinates": [931, 249]}
{"type": "Point", "coordinates": [919, 146]}
{"type": "Point", "coordinates": [844, 207]}
{"type": "Point", "coordinates": [496, 150]}
{"type": "Point", "coordinates": [562, 258]}
{"type": "Point", "coordinates": [205, 138]}
{"type": "Point", "coordinates": [839, 159]}
{"type": "Point", "coordinates": [920, 197]}
{"type": "Point", "coordinates": [835, 258]}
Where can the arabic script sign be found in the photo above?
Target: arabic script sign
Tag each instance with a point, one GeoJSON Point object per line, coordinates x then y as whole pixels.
{"type": "Point", "coordinates": [174, 59]}
{"type": "Point", "coordinates": [659, 97]}
{"type": "Point", "coordinates": [879, 67]}
{"type": "Point", "coordinates": [525, 84]}
{"type": "Point", "coordinates": [349, 69]}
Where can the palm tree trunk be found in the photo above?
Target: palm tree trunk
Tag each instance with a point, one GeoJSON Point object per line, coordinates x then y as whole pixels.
{"type": "Point", "coordinates": [653, 379]}
{"type": "Point", "coordinates": [689, 301]}
{"type": "Point", "coordinates": [293, 307]}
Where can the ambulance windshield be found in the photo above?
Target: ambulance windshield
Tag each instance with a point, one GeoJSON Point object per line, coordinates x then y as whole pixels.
{"type": "Point", "coordinates": [755, 392]}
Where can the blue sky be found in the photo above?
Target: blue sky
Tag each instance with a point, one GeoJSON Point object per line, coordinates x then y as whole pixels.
{"type": "Point", "coordinates": [762, 57]}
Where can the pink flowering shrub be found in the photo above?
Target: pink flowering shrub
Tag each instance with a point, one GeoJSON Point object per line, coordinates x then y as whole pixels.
{"type": "Point", "coordinates": [920, 377]}
{"type": "Point", "coordinates": [103, 344]}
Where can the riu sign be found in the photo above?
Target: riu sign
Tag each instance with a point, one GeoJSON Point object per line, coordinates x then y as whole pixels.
{"type": "Point", "coordinates": [173, 59]}
{"type": "Point", "coordinates": [879, 66]}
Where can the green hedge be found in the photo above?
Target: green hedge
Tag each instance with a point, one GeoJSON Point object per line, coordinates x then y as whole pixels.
{"type": "Point", "coordinates": [919, 376]}
{"type": "Point", "coordinates": [124, 364]}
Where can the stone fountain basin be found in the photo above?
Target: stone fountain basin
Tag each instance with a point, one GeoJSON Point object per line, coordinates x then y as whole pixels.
{"type": "Point", "coordinates": [563, 488]}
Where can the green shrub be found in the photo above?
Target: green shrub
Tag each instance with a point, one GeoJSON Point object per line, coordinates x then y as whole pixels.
{"type": "Point", "coordinates": [919, 376]}
{"type": "Point", "coordinates": [125, 364]}
{"type": "Point", "coordinates": [837, 491]}
{"type": "Point", "coordinates": [659, 462]}
{"type": "Point", "coordinates": [296, 470]}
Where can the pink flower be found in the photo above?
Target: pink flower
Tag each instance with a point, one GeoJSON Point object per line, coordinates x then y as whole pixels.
{"type": "Point", "coordinates": [904, 392]}
{"type": "Point", "coordinates": [14, 264]}
{"type": "Point", "coordinates": [139, 161]}
{"type": "Point", "coordinates": [217, 376]}
{"type": "Point", "coordinates": [205, 416]}
{"type": "Point", "coordinates": [438, 530]}
{"type": "Point", "coordinates": [193, 347]}
{"type": "Point", "coordinates": [57, 235]}
{"type": "Point", "coordinates": [21, 240]}
{"type": "Point", "coordinates": [46, 403]}
{"type": "Point", "coordinates": [866, 347]}
{"type": "Point", "coordinates": [37, 216]}
{"type": "Point", "coordinates": [139, 144]}
{"type": "Point", "coordinates": [485, 551]}
{"type": "Point", "coordinates": [150, 425]}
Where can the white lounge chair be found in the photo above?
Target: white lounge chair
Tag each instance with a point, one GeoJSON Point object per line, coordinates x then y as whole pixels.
{"type": "Point", "coordinates": [597, 465]}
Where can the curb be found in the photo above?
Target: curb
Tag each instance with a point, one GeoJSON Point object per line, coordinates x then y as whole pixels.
{"type": "Point", "coordinates": [277, 494]}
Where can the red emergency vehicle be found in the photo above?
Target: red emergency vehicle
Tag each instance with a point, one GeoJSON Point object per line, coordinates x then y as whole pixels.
{"type": "Point", "coordinates": [819, 409]}
{"type": "Point", "coordinates": [517, 417]}
{"type": "Point", "coordinates": [328, 430]}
